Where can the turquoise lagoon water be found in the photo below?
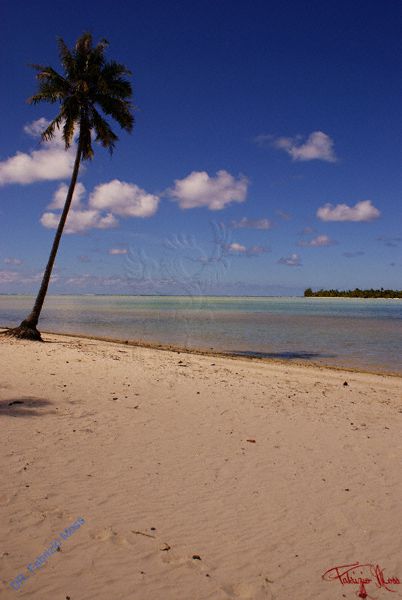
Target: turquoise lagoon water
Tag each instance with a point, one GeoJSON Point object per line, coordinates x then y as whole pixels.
{"type": "Point", "coordinates": [357, 333]}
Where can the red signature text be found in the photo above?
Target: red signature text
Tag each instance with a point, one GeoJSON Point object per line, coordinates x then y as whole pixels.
{"type": "Point", "coordinates": [361, 575]}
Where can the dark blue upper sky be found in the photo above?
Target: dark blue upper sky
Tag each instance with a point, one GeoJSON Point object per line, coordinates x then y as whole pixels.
{"type": "Point", "coordinates": [278, 123]}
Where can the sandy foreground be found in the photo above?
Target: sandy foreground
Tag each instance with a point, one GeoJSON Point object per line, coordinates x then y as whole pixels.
{"type": "Point", "coordinates": [195, 477]}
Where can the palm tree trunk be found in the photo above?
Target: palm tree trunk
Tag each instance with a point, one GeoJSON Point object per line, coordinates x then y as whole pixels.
{"type": "Point", "coordinates": [27, 329]}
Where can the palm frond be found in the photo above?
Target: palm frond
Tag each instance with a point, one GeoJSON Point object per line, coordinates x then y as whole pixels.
{"type": "Point", "coordinates": [68, 131]}
{"type": "Point", "coordinates": [104, 133]}
{"type": "Point", "coordinates": [49, 132]}
{"type": "Point", "coordinates": [52, 86]}
{"type": "Point", "coordinates": [43, 96]}
{"type": "Point", "coordinates": [48, 73]}
{"type": "Point", "coordinates": [113, 69]}
{"type": "Point", "coordinates": [66, 57]}
{"type": "Point", "coordinates": [71, 115]}
{"type": "Point", "coordinates": [84, 44]}
{"type": "Point", "coordinates": [119, 110]}
{"type": "Point", "coordinates": [97, 56]}
{"type": "Point", "coordinates": [113, 80]}
{"type": "Point", "coordinates": [118, 88]}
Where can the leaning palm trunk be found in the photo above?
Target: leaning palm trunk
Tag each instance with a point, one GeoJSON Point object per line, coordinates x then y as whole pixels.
{"type": "Point", "coordinates": [89, 84]}
{"type": "Point", "coordinates": [28, 328]}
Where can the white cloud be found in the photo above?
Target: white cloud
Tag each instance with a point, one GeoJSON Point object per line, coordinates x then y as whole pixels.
{"type": "Point", "coordinates": [12, 261]}
{"type": "Point", "coordinates": [245, 223]}
{"type": "Point", "coordinates": [200, 190]}
{"type": "Point", "coordinates": [235, 247]}
{"type": "Point", "coordinates": [49, 163]}
{"type": "Point", "coordinates": [117, 251]}
{"type": "Point", "coordinates": [257, 250]}
{"type": "Point", "coordinates": [263, 139]}
{"type": "Point", "coordinates": [7, 277]}
{"type": "Point", "coordinates": [59, 197]}
{"type": "Point", "coordinates": [40, 165]}
{"type": "Point", "coordinates": [106, 201]}
{"type": "Point", "coordinates": [318, 146]}
{"type": "Point", "coordinates": [107, 222]}
{"type": "Point", "coordinates": [291, 261]}
{"type": "Point", "coordinates": [36, 128]}
{"type": "Point", "coordinates": [79, 221]}
{"type": "Point", "coordinates": [123, 199]}
{"type": "Point", "coordinates": [101, 282]}
{"type": "Point", "coordinates": [361, 211]}
{"type": "Point", "coordinates": [319, 241]}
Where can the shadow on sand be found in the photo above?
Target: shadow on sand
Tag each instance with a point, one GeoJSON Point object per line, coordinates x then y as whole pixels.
{"type": "Point", "coordinates": [24, 406]}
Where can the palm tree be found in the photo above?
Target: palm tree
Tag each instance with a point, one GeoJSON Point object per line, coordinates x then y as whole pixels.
{"type": "Point", "coordinates": [88, 83]}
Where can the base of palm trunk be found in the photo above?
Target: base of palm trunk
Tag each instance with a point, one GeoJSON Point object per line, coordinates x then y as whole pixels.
{"type": "Point", "coordinates": [25, 331]}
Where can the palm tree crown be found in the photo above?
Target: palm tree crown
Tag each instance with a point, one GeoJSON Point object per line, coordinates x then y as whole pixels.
{"type": "Point", "coordinates": [88, 82]}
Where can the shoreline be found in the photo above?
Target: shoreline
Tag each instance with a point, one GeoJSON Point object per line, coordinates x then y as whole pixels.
{"type": "Point", "coordinates": [200, 296]}
{"type": "Point", "coordinates": [216, 353]}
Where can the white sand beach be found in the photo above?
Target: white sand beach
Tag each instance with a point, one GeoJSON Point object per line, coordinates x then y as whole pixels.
{"type": "Point", "coordinates": [196, 477]}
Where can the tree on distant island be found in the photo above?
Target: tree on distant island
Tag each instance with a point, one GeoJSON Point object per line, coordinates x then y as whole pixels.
{"type": "Point", "coordinates": [356, 293]}
{"type": "Point", "coordinates": [88, 83]}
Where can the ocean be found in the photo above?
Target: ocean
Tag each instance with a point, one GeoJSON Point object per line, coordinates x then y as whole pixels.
{"type": "Point", "coordinates": [344, 332]}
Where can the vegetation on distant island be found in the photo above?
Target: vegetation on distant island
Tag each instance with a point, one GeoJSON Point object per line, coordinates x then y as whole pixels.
{"type": "Point", "coordinates": [356, 293]}
{"type": "Point", "coordinates": [89, 88]}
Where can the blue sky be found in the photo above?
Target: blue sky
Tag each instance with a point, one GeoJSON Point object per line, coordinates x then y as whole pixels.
{"type": "Point", "coordinates": [266, 156]}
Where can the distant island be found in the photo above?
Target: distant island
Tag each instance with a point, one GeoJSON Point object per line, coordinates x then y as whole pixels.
{"type": "Point", "coordinates": [356, 293]}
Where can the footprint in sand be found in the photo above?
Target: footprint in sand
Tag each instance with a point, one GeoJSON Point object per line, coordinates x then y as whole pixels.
{"type": "Point", "coordinates": [109, 535]}
{"type": "Point", "coordinates": [56, 512]}
{"type": "Point", "coordinates": [239, 591]}
{"type": "Point", "coordinates": [247, 591]}
{"type": "Point", "coordinates": [176, 560]}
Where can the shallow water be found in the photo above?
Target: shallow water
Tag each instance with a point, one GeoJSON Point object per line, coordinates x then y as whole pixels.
{"type": "Point", "coordinates": [348, 332]}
